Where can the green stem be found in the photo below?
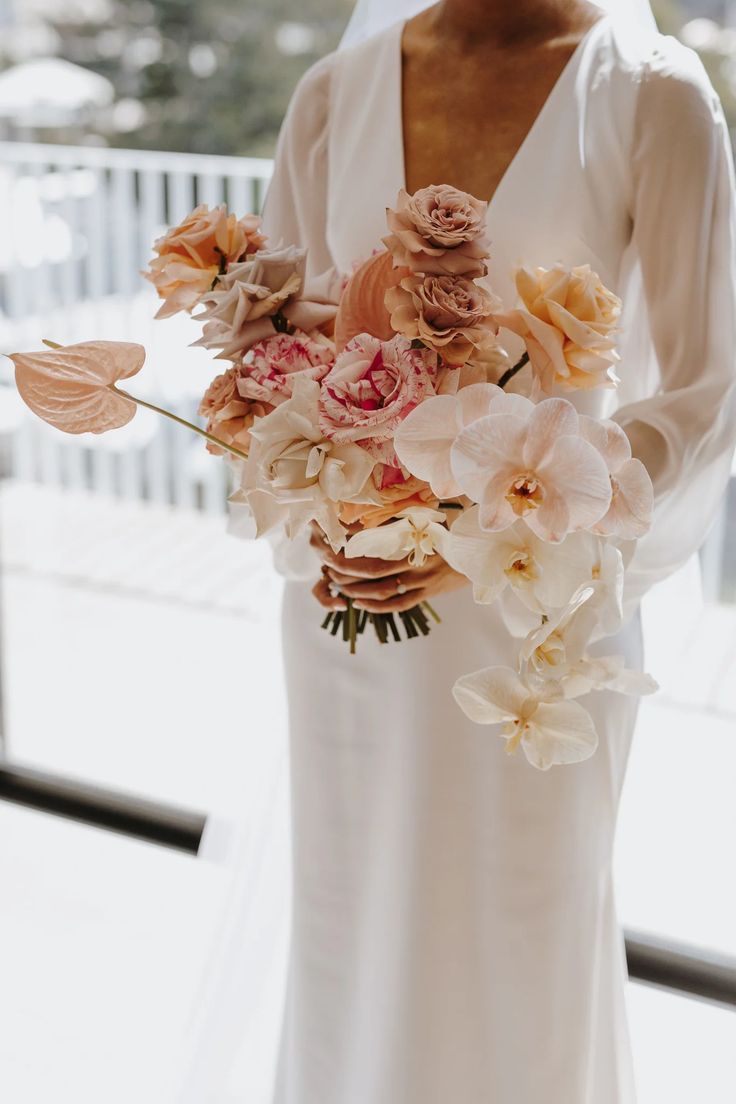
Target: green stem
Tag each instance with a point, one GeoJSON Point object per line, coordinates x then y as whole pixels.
{"type": "Point", "coordinates": [180, 421]}
{"type": "Point", "coordinates": [511, 372]}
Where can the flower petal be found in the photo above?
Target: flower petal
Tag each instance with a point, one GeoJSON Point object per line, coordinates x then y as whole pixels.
{"type": "Point", "coordinates": [551, 419]}
{"type": "Point", "coordinates": [385, 542]}
{"type": "Point", "coordinates": [578, 472]}
{"type": "Point", "coordinates": [492, 695]}
{"type": "Point", "coordinates": [485, 449]}
{"type": "Point", "coordinates": [630, 513]}
{"type": "Point", "coordinates": [559, 732]}
{"type": "Point", "coordinates": [423, 441]}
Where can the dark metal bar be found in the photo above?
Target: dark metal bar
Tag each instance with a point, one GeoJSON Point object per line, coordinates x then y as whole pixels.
{"type": "Point", "coordinates": [157, 823]}
{"type": "Point", "coordinates": [653, 961]}
{"type": "Point", "coordinates": [688, 970]}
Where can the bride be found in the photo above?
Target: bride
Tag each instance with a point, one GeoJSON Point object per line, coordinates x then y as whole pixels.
{"type": "Point", "coordinates": [454, 936]}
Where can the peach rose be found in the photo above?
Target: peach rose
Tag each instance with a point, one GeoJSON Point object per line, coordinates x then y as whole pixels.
{"type": "Point", "coordinates": [192, 255]}
{"type": "Point", "coordinates": [568, 323]}
{"type": "Point", "coordinates": [274, 365]}
{"type": "Point", "coordinates": [371, 388]}
{"type": "Point", "coordinates": [408, 493]}
{"type": "Point", "coordinates": [451, 314]}
{"type": "Point", "coordinates": [439, 229]}
{"type": "Point", "coordinates": [229, 415]}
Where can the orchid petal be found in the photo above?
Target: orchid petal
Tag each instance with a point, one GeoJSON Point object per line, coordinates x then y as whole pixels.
{"type": "Point", "coordinates": [559, 732]}
{"type": "Point", "coordinates": [491, 696]}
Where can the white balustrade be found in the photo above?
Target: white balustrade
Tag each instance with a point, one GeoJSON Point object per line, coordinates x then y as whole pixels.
{"type": "Point", "coordinates": [80, 223]}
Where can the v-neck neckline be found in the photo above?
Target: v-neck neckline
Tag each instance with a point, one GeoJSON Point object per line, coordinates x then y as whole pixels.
{"type": "Point", "coordinates": [565, 73]}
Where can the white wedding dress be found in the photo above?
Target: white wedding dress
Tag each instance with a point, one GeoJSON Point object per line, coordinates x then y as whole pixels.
{"type": "Point", "coordinates": [454, 935]}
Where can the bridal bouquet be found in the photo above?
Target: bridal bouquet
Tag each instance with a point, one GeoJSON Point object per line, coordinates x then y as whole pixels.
{"type": "Point", "coordinates": [376, 408]}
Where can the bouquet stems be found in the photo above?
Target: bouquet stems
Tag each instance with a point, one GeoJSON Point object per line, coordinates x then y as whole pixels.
{"type": "Point", "coordinates": [352, 622]}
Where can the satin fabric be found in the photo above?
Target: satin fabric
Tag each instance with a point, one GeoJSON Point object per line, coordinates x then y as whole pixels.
{"type": "Point", "coordinates": [454, 936]}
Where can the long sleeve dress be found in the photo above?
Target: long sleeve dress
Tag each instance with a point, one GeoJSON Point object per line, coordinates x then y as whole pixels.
{"type": "Point", "coordinates": [454, 935]}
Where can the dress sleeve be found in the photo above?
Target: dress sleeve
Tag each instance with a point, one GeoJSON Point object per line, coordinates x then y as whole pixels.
{"type": "Point", "coordinates": [295, 207]}
{"type": "Point", "coordinates": [684, 229]}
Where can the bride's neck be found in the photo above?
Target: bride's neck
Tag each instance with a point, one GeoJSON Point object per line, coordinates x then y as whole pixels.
{"type": "Point", "coordinates": [501, 21]}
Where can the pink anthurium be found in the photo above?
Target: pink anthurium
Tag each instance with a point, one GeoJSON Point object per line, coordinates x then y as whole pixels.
{"type": "Point", "coordinates": [73, 388]}
{"type": "Point", "coordinates": [362, 308]}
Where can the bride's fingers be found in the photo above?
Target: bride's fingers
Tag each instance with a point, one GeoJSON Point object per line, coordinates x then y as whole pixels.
{"type": "Point", "coordinates": [363, 567]}
{"type": "Point", "coordinates": [323, 593]}
{"type": "Point", "coordinates": [396, 604]}
{"type": "Point", "coordinates": [380, 589]}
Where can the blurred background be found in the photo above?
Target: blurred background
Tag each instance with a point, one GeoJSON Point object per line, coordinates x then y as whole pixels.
{"type": "Point", "coordinates": [139, 671]}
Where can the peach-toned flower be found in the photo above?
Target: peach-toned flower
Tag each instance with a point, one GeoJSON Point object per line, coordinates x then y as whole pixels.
{"type": "Point", "coordinates": [273, 365]}
{"type": "Point", "coordinates": [450, 314]}
{"type": "Point", "coordinates": [362, 304]}
{"type": "Point", "coordinates": [534, 464]}
{"type": "Point", "coordinates": [72, 387]}
{"type": "Point", "coordinates": [240, 310]}
{"type": "Point", "coordinates": [393, 498]}
{"type": "Point", "coordinates": [568, 323]}
{"type": "Point", "coordinates": [439, 229]}
{"type": "Point", "coordinates": [192, 255]}
{"type": "Point", "coordinates": [229, 415]}
{"type": "Point", "coordinates": [632, 494]}
{"type": "Point", "coordinates": [371, 388]}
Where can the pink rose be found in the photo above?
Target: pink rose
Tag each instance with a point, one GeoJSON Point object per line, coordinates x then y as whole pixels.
{"type": "Point", "coordinates": [451, 314]}
{"type": "Point", "coordinates": [439, 229]}
{"type": "Point", "coordinates": [278, 361]}
{"type": "Point", "coordinates": [192, 255]}
{"type": "Point", "coordinates": [229, 416]}
{"type": "Point", "coordinates": [371, 388]}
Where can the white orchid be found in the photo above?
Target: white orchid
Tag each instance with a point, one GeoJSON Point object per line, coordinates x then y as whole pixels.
{"type": "Point", "coordinates": [532, 463]}
{"type": "Point", "coordinates": [543, 575]}
{"type": "Point", "coordinates": [294, 475]}
{"type": "Point", "coordinates": [425, 437]}
{"type": "Point", "coordinates": [557, 652]}
{"type": "Point", "coordinates": [417, 534]}
{"type": "Point", "coordinates": [632, 495]}
{"type": "Point", "coordinates": [548, 729]}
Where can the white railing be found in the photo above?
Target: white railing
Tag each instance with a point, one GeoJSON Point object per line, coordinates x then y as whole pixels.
{"type": "Point", "coordinates": [78, 226]}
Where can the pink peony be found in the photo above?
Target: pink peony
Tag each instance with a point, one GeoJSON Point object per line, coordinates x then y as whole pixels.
{"type": "Point", "coordinates": [439, 229]}
{"type": "Point", "coordinates": [278, 361]}
{"type": "Point", "coordinates": [371, 388]}
{"type": "Point", "coordinates": [229, 416]}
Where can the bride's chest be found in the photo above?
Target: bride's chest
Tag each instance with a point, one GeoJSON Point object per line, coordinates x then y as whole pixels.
{"type": "Point", "coordinates": [561, 196]}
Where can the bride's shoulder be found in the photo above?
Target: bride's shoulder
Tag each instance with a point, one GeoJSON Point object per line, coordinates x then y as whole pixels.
{"type": "Point", "coordinates": [665, 76]}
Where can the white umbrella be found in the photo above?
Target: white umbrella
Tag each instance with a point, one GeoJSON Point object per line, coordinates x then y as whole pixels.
{"type": "Point", "coordinates": [51, 91]}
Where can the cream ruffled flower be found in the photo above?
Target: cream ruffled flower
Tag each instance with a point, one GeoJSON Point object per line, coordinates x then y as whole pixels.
{"type": "Point", "coordinates": [295, 475]}
{"type": "Point", "coordinates": [549, 730]}
{"type": "Point", "coordinates": [416, 534]}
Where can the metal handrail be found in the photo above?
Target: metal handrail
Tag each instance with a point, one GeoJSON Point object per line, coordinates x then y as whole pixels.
{"type": "Point", "coordinates": [651, 960]}
{"type": "Point", "coordinates": [128, 815]}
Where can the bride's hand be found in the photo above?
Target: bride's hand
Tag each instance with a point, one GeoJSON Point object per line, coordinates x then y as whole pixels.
{"type": "Point", "coordinates": [374, 584]}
